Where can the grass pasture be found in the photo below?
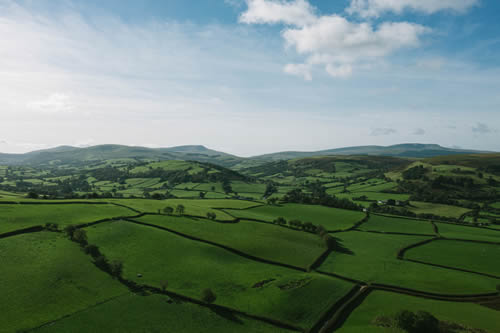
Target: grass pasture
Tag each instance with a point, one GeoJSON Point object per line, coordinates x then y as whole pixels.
{"type": "Point", "coordinates": [475, 257]}
{"type": "Point", "coordinates": [190, 267]}
{"type": "Point", "coordinates": [47, 278]}
{"type": "Point", "coordinates": [396, 224]}
{"type": "Point", "coordinates": [372, 258]}
{"type": "Point", "coordinates": [437, 209]}
{"type": "Point", "coordinates": [468, 232]}
{"type": "Point", "coordinates": [155, 313]}
{"type": "Point", "coordinates": [330, 218]}
{"type": "Point", "coordinates": [258, 239]}
{"type": "Point", "coordinates": [380, 303]}
{"type": "Point", "coordinates": [20, 216]}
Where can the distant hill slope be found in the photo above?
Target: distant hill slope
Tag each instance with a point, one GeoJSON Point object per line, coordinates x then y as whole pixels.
{"type": "Point", "coordinates": [400, 150]}
{"type": "Point", "coordinates": [73, 155]}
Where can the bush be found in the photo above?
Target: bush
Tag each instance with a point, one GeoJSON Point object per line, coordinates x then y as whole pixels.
{"type": "Point", "coordinates": [92, 250]}
{"type": "Point", "coordinates": [116, 268]}
{"type": "Point", "coordinates": [208, 296]}
{"type": "Point", "coordinates": [405, 320]}
{"type": "Point", "coordinates": [168, 210]}
{"type": "Point", "coordinates": [80, 236]}
{"type": "Point", "coordinates": [421, 322]}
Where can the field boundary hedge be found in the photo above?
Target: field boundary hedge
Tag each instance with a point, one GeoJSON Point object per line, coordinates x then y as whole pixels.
{"type": "Point", "coordinates": [453, 268]}
{"type": "Point", "coordinates": [227, 248]}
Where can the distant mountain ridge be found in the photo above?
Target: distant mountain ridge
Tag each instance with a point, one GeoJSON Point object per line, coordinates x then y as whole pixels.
{"type": "Point", "coordinates": [399, 150]}
{"type": "Point", "coordinates": [200, 153]}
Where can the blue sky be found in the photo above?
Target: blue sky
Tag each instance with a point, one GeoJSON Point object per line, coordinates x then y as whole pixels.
{"type": "Point", "coordinates": [249, 77]}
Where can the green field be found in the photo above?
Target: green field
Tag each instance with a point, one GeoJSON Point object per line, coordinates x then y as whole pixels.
{"type": "Point", "coordinates": [476, 257]}
{"type": "Point", "coordinates": [16, 216]}
{"type": "Point", "coordinates": [190, 267]}
{"type": "Point", "coordinates": [155, 313]}
{"type": "Point", "coordinates": [381, 303]}
{"type": "Point", "coordinates": [437, 209]}
{"type": "Point", "coordinates": [465, 232]}
{"type": "Point", "coordinates": [395, 224]}
{"type": "Point", "coordinates": [262, 240]}
{"type": "Point", "coordinates": [372, 258]}
{"type": "Point", "coordinates": [47, 278]}
{"type": "Point", "coordinates": [330, 218]}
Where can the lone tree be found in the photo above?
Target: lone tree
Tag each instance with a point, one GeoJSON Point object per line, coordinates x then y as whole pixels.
{"type": "Point", "coordinates": [208, 296]}
{"type": "Point", "coordinates": [180, 209]}
{"type": "Point", "coordinates": [211, 216]}
{"type": "Point", "coordinates": [168, 210]}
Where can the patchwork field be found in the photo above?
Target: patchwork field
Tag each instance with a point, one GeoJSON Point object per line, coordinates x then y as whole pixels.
{"type": "Point", "coordinates": [155, 255]}
{"type": "Point", "coordinates": [399, 225]}
{"type": "Point", "coordinates": [265, 241]}
{"type": "Point", "coordinates": [465, 232]}
{"type": "Point", "coordinates": [372, 258]}
{"type": "Point", "coordinates": [156, 313]}
{"type": "Point", "coordinates": [330, 218]}
{"type": "Point", "coordinates": [16, 216]}
{"type": "Point", "coordinates": [197, 246]}
{"type": "Point", "coordinates": [476, 257]}
{"type": "Point", "coordinates": [380, 303]}
{"type": "Point", "coordinates": [48, 277]}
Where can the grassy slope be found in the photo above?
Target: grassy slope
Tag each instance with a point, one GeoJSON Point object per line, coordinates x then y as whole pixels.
{"type": "Point", "coordinates": [465, 232]}
{"type": "Point", "coordinates": [15, 216]}
{"type": "Point", "coordinates": [258, 239]}
{"type": "Point", "coordinates": [437, 209]}
{"type": "Point", "coordinates": [190, 267]}
{"type": "Point", "coordinates": [384, 303]}
{"type": "Point", "coordinates": [134, 313]}
{"type": "Point", "coordinates": [47, 277]}
{"type": "Point", "coordinates": [374, 260]}
{"type": "Point", "coordinates": [394, 224]}
{"type": "Point", "coordinates": [330, 218]}
{"type": "Point", "coordinates": [472, 256]}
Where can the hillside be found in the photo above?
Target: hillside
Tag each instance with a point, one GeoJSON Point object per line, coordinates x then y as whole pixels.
{"type": "Point", "coordinates": [400, 150]}
{"type": "Point", "coordinates": [67, 155]}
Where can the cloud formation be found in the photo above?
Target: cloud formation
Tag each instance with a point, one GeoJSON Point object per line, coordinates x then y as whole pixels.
{"type": "Point", "coordinates": [375, 8]}
{"type": "Point", "coordinates": [54, 103]}
{"type": "Point", "coordinates": [482, 128]}
{"type": "Point", "coordinates": [298, 12]}
{"type": "Point", "coordinates": [383, 131]}
{"type": "Point", "coordinates": [419, 131]}
{"type": "Point", "coordinates": [331, 41]}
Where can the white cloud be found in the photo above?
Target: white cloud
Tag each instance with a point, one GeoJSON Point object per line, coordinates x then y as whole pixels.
{"type": "Point", "coordinates": [303, 70]}
{"type": "Point", "coordinates": [383, 131]}
{"type": "Point", "coordinates": [331, 40]}
{"type": "Point", "coordinates": [374, 8]}
{"type": "Point", "coordinates": [482, 128]}
{"type": "Point", "coordinates": [419, 131]}
{"type": "Point", "coordinates": [54, 103]}
{"type": "Point", "coordinates": [298, 12]}
{"type": "Point", "coordinates": [338, 44]}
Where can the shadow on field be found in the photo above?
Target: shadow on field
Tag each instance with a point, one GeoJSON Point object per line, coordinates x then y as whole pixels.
{"type": "Point", "coordinates": [340, 248]}
{"type": "Point", "coordinates": [226, 314]}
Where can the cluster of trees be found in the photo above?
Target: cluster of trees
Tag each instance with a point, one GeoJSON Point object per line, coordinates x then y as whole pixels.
{"type": "Point", "coordinates": [320, 197]}
{"type": "Point", "coordinates": [417, 172]}
{"type": "Point", "coordinates": [296, 224]}
{"type": "Point", "coordinates": [78, 235]}
{"type": "Point", "coordinates": [179, 209]}
{"type": "Point", "coordinates": [418, 322]}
